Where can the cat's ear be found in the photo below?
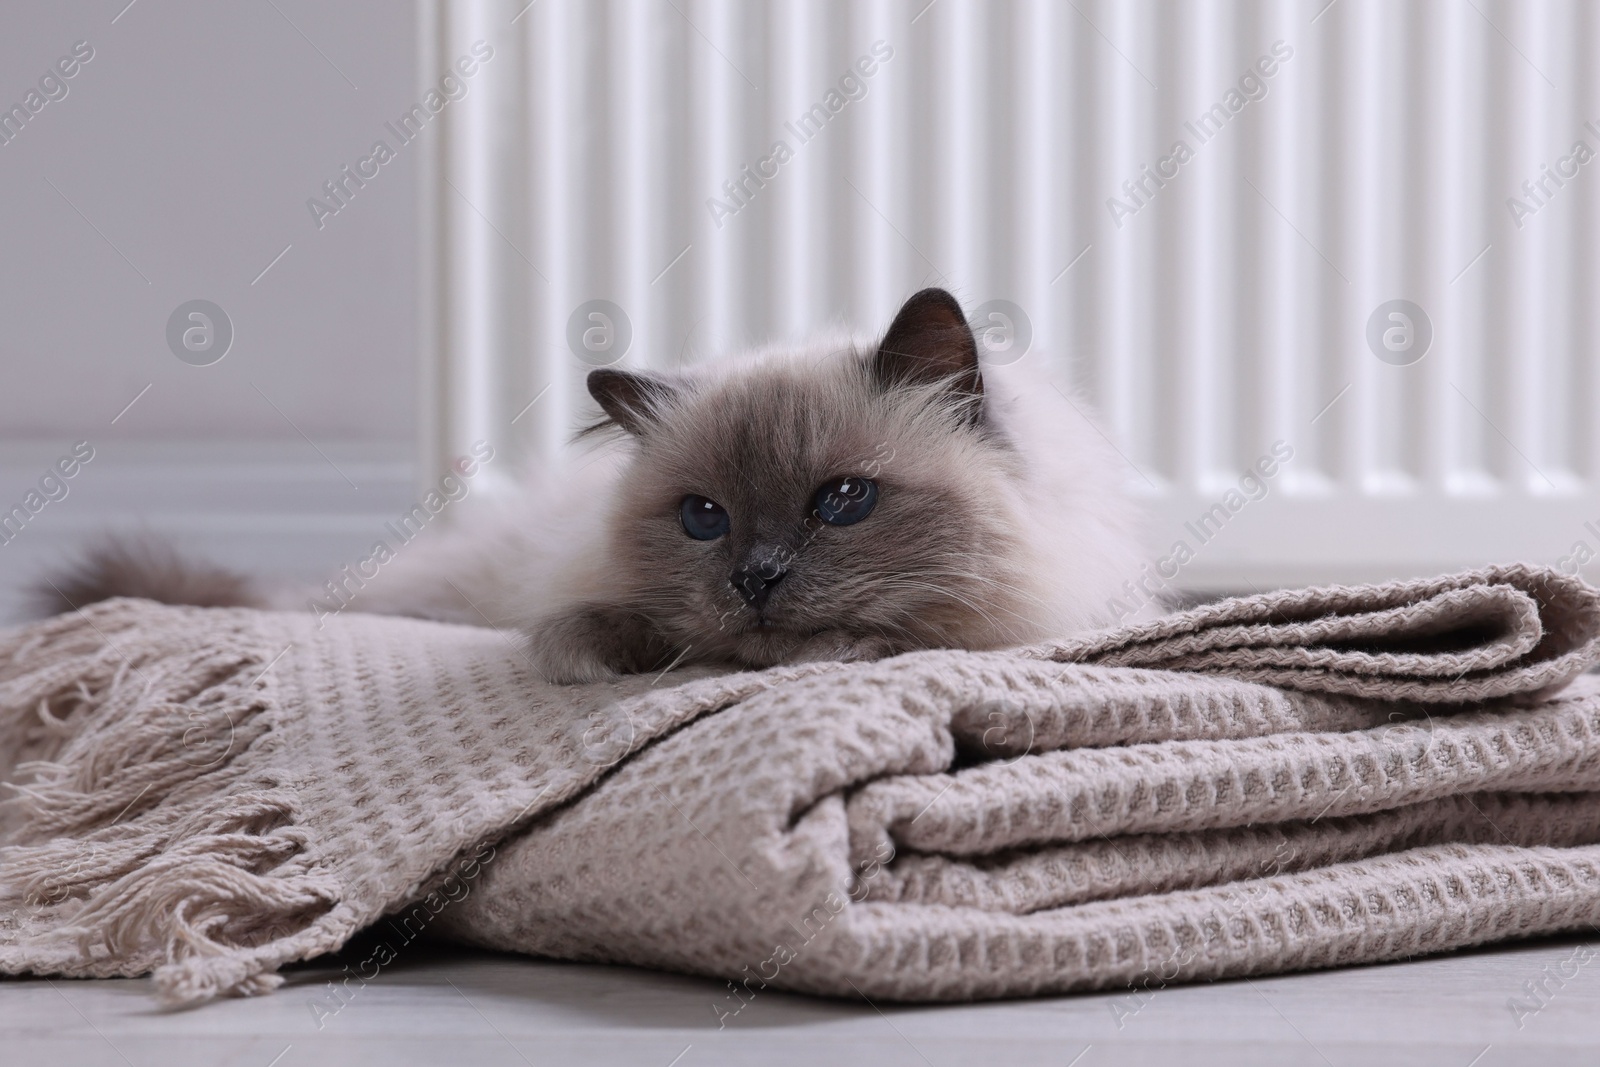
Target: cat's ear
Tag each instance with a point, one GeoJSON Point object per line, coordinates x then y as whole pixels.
{"type": "Point", "coordinates": [930, 341]}
{"type": "Point", "coordinates": [632, 400]}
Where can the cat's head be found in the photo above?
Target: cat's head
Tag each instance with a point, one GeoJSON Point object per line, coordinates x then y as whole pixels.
{"type": "Point", "coordinates": [856, 490]}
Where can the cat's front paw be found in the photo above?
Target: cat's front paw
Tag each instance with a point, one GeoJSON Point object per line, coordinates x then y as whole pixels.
{"type": "Point", "coordinates": [561, 661]}
{"type": "Point", "coordinates": [591, 644]}
{"type": "Point", "coordinates": [837, 646]}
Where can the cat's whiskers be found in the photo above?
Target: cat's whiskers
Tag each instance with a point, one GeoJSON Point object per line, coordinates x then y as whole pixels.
{"type": "Point", "coordinates": [1006, 630]}
{"type": "Point", "coordinates": [961, 577]}
{"type": "Point", "coordinates": [977, 609]}
{"type": "Point", "coordinates": [1001, 585]}
{"type": "Point", "coordinates": [975, 575]}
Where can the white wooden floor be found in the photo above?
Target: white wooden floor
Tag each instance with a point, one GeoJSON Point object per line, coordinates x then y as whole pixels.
{"type": "Point", "coordinates": [451, 1007]}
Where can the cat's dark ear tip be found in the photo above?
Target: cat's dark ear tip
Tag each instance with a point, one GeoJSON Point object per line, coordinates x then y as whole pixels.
{"type": "Point", "coordinates": [930, 341]}
{"type": "Point", "coordinates": [934, 296]}
{"type": "Point", "coordinates": [602, 382]}
{"type": "Point", "coordinates": [632, 400]}
{"type": "Point", "coordinates": [931, 316]}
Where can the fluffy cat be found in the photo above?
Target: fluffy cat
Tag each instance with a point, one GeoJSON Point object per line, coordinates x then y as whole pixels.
{"type": "Point", "coordinates": [842, 502]}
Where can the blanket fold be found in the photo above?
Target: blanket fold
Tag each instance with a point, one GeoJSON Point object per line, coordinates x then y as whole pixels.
{"type": "Point", "coordinates": [1303, 778]}
{"type": "Point", "coordinates": [1501, 631]}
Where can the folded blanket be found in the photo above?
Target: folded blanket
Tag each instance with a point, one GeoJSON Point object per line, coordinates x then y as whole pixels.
{"type": "Point", "coordinates": [1299, 779]}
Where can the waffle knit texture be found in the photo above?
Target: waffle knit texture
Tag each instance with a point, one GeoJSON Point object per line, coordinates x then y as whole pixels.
{"type": "Point", "coordinates": [1301, 779]}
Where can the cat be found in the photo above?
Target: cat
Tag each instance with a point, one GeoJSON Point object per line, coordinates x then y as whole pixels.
{"type": "Point", "coordinates": [843, 501]}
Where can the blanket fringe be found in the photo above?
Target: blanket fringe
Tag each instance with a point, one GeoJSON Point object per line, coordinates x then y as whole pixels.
{"type": "Point", "coordinates": [138, 839]}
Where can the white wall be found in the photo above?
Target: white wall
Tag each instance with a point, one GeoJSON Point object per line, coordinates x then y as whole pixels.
{"type": "Point", "coordinates": [178, 166]}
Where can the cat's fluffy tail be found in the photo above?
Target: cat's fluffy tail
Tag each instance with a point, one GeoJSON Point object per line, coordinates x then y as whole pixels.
{"type": "Point", "coordinates": [144, 566]}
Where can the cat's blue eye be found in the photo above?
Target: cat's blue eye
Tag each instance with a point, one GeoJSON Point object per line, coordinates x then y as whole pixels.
{"type": "Point", "coordinates": [845, 501]}
{"type": "Point", "coordinates": [703, 520]}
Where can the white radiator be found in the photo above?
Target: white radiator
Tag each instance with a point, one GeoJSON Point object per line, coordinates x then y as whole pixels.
{"type": "Point", "coordinates": [1211, 299]}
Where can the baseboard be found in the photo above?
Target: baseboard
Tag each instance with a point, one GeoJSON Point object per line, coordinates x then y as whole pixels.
{"type": "Point", "coordinates": [1298, 540]}
{"type": "Point", "coordinates": [281, 508]}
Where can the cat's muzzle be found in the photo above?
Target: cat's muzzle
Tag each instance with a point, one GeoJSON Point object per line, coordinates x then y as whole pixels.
{"type": "Point", "coordinates": [754, 581]}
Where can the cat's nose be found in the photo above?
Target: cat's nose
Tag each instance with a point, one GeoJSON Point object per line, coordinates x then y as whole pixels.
{"type": "Point", "coordinates": [754, 581]}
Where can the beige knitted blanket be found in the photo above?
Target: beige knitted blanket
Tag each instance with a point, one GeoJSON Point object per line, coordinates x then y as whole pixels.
{"type": "Point", "coordinates": [1294, 780]}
